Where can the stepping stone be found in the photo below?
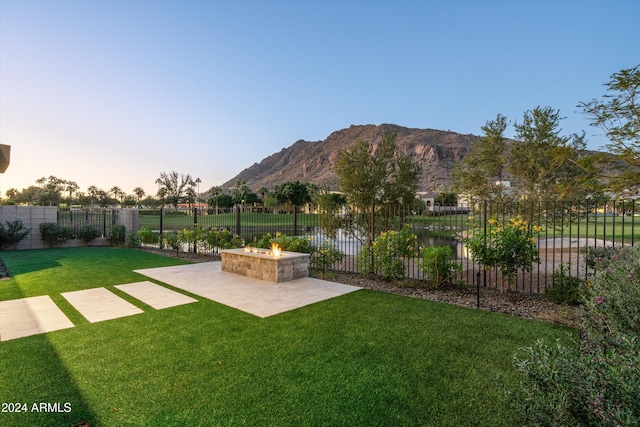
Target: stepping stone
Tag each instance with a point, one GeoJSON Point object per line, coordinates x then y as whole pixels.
{"type": "Point", "coordinates": [30, 316]}
{"type": "Point", "coordinates": [155, 295]}
{"type": "Point", "coordinates": [100, 304]}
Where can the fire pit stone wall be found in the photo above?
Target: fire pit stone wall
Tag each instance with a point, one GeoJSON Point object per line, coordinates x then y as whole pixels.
{"type": "Point", "coordinates": [265, 266]}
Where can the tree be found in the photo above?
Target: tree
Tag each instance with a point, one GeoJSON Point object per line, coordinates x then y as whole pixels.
{"type": "Point", "coordinates": [485, 163]}
{"type": "Point", "coordinates": [369, 178]}
{"type": "Point", "coordinates": [215, 192]}
{"type": "Point", "coordinates": [548, 165]}
{"type": "Point", "coordinates": [139, 193]}
{"type": "Point", "coordinates": [372, 178]}
{"type": "Point", "coordinates": [173, 187]}
{"type": "Point", "coordinates": [618, 115]}
{"type": "Point", "coordinates": [118, 194]}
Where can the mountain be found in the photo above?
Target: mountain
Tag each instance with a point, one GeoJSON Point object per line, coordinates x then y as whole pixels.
{"type": "Point", "coordinates": [306, 161]}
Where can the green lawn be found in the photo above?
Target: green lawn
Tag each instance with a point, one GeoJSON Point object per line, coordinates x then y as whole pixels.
{"type": "Point", "coordinates": [366, 358]}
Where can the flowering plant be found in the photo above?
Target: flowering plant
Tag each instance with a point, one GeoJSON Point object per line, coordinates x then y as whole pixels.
{"type": "Point", "coordinates": [386, 255]}
{"type": "Point", "coordinates": [325, 255]}
{"type": "Point", "coordinates": [509, 246]}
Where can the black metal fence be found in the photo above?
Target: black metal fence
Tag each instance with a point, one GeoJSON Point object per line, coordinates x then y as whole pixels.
{"type": "Point", "coordinates": [566, 231]}
{"type": "Point", "coordinates": [103, 219]}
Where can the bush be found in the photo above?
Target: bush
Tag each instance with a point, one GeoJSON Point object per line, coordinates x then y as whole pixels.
{"type": "Point", "coordinates": [597, 381]}
{"type": "Point", "coordinates": [223, 239]}
{"type": "Point", "coordinates": [117, 234]}
{"type": "Point", "coordinates": [286, 243]}
{"type": "Point", "coordinates": [53, 233]}
{"type": "Point", "coordinates": [14, 232]}
{"type": "Point", "coordinates": [437, 265]}
{"type": "Point", "coordinates": [509, 246]}
{"type": "Point", "coordinates": [566, 288]}
{"type": "Point", "coordinates": [386, 256]}
{"type": "Point", "coordinates": [595, 255]}
{"type": "Point", "coordinates": [171, 240]}
{"type": "Point", "coordinates": [88, 233]}
{"type": "Point", "coordinates": [324, 256]}
{"type": "Point", "coordinates": [148, 236]}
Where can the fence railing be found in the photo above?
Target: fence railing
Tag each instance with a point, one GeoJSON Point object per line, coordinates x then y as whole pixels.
{"type": "Point", "coordinates": [102, 219]}
{"type": "Point", "coordinates": [566, 231]}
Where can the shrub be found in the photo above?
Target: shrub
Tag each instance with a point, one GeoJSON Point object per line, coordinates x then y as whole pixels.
{"type": "Point", "coordinates": [171, 240]}
{"type": "Point", "coordinates": [193, 237]}
{"type": "Point", "coordinates": [566, 288]}
{"type": "Point", "coordinates": [437, 265]}
{"type": "Point", "coordinates": [286, 243]}
{"type": "Point", "coordinates": [117, 234]}
{"type": "Point", "coordinates": [88, 232]}
{"type": "Point", "coordinates": [148, 236]}
{"type": "Point", "coordinates": [324, 256]}
{"type": "Point", "coordinates": [14, 232]}
{"type": "Point", "coordinates": [53, 233]}
{"type": "Point", "coordinates": [595, 255]}
{"type": "Point", "coordinates": [134, 240]}
{"type": "Point", "coordinates": [223, 239]}
{"type": "Point", "coordinates": [597, 381]}
{"type": "Point", "coordinates": [386, 256]}
{"type": "Point", "coordinates": [509, 246]}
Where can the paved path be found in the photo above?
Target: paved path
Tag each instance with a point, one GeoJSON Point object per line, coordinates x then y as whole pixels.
{"type": "Point", "coordinates": [100, 304]}
{"type": "Point", "coordinates": [30, 316]}
{"type": "Point", "coordinates": [154, 295]}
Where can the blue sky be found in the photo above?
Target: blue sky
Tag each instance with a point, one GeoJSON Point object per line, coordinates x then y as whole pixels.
{"type": "Point", "coordinates": [113, 92]}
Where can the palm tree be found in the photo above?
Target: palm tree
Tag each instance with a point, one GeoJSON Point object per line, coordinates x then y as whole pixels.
{"type": "Point", "coordinates": [139, 193]}
{"type": "Point", "coordinates": [197, 182]}
{"type": "Point", "coordinates": [215, 192]}
{"type": "Point", "coordinates": [117, 192]}
{"type": "Point", "coordinates": [71, 187]}
{"type": "Point", "coordinates": [93, 193]}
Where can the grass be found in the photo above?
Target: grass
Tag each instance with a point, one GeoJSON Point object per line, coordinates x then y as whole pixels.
{"type": "Point", "coordinates": [228, 220]}
{"type": "Point", "coordinates": [366, 358]}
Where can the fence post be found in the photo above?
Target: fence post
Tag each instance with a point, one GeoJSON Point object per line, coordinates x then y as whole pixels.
{"type": "Point", "coordinates": [295, 220]}
{"type": "Point", "coordinates": [195, 227]}
{"type": "Point", "coordinates": [161, 215]}
{"type": "Point", "coordinates": [238, 222]}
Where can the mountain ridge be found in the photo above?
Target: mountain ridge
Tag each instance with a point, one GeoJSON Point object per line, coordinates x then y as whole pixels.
{"type": "Point", "coordinates": [313, 161]}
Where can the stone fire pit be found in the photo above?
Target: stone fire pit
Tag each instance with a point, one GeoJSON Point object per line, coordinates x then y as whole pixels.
{"type": "Point", "coordinates": [264, 265]}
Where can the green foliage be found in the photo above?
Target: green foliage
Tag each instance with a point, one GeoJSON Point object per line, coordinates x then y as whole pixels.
{"type": "Point", "coordinates": [88, 232]}
{"type": "Point", "coordinates": [134, 240]}
{"type": "Point", "coordinates": [223, 239]}
{"type": "Point", "coordinates": [566, 288]}
{"type": "Point", "coordinates": [117, 234]}
{"type": "Point", "coordinates": [387, 254]}
{"type": "Point", "coordinates": [286, 243]}
{"type": "Point", "coordinates": [477, 173]}
{"type": "Point", "coordinates": [508, 246]}
{"type": "Point", "coordinates": [325, 255]}
{"type": "Point", "coordinates": [618, 115]}
{"type": "Point", "coordinates": [598, 256]}
{"type": "Point", "coordinates": [148, 236]}
{"type": "Point", "coordinates": [14, 232]}
{"type": "Point", "coordinates": [437, 265]}
{"type": "Point", "coordinates": [596, 382]}
{"type": "Point", "coordinates": [386, 176]}
{"type": "Point", "coordinates": [193, 237]}
{"type": "Point", "coordinates": [53, 233]}
{"type": "Point", "coordinates": [171, 240]}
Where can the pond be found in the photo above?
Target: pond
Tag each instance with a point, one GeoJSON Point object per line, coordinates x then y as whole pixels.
{"type": "Point", "coordinates": [351, 245]}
